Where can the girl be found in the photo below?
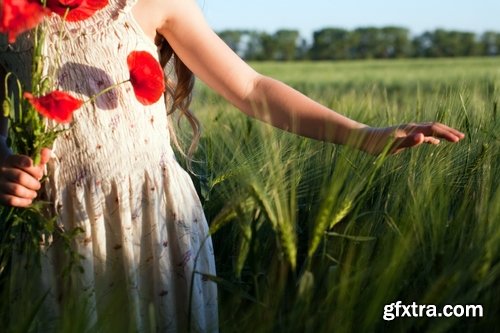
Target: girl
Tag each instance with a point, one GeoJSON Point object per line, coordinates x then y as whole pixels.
{"type": "Point", "coordinates": [113, 173]}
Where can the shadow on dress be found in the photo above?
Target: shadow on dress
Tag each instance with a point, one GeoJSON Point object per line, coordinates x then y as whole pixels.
{"type": "Point", "coordinates": [88, 81]}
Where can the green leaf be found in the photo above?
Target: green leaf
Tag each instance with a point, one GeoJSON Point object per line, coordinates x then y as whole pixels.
{"type": "Point", "coordinates": [351, 237]}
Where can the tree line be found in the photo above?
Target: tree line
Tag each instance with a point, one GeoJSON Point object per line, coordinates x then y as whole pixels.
{"type": "Point", "coordinates": [361, 43]}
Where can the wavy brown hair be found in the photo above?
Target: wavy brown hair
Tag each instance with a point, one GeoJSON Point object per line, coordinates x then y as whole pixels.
{"type": "Point", "coordinates": [178, 94]}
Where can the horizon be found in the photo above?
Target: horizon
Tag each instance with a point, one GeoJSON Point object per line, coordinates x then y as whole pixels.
{"type": "Point", "coordinates": [461, 15]}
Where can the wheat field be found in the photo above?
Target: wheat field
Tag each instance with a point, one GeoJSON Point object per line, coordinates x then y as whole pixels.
{"type": "Point", "coordinates": [312, 237]}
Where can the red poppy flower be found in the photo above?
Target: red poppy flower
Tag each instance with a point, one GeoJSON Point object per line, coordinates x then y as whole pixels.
{"type": "Point", "coordinates": [146, 76]}
{"type": "Point", "coordinates": [79, 10]}
{"type": "Point", "coordinates": [56, 105]}
{"type": "Point", "coordinates": [17, 16]}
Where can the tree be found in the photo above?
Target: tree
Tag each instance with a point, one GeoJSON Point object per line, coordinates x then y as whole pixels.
{"type": "Point", "coordinates": [490, 43]}
{"type": "Point", "coordinates": [452, 44]}
{"type": "Point", "coordinates": [233, 39]}
{"type": "Point", "coordinates": [395, 42]}
{"type": "Point", "coordinates": [259, 46]}
{"type": "Point", "coordinates": [285, 44]}
{"type": "Point", "coordinates": [368, 43]}
{"type": "Point", "coordinates": [331, 43]}
{"type": "Point", "coordinates": [443, 43]}
{"type": "Point", "coordinates": [468, 44]}
{"type": "Point", "coordinates": [422, 44]}
{"type": "Point", "coordinates": [361, 43]}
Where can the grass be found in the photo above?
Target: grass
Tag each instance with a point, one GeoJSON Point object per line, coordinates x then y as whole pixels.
{"type": "Point", "coordinates": [312, 237]}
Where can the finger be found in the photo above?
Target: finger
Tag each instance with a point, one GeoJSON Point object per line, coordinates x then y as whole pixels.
{"type": "Point", "coordinates": [18, 161]}
{"type": "Point", "coordinates": [10, 200]}
{"type": "Point", "coordinates": [442, 131]}
{"type": "Point", "coordinates": [18, 191]}
{"type": "Point", "coordinates": [451, 130]}
{"type": "Point", "coordinates": [21, 177]}
{"type": "Point", "coordinates": [431, 140]}
{"type": "Point", "coordinates": [45, 156]}
{"type": "Point", "coordinates": [38, 171]}
{"type": "Point", "coordinates": [408, 141]}
{"type": "Point", "coordinates": [437, 130]}
{"type": "Point", "coordinates": [446, 132]}
{"type": "Point", "coordinates": [23, 163]}
{"type": "Point", "coordinates": [455, 132]}
{"type": "Point", "coordinates": [35, 171]}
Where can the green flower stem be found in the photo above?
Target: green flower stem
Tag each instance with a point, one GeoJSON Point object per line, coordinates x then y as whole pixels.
{"type": "Point", "coordinates": [102, 92]}
{"type": "Point", "coordinates": [37, 158]}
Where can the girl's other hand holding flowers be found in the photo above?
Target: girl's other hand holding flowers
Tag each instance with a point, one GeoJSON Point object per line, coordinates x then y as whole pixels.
{"type": "Point", "coordinates": [20, 179]}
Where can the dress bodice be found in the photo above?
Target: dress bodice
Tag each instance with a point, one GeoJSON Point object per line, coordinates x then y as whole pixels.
{"type": "Point", "coordinates": [83, 58]}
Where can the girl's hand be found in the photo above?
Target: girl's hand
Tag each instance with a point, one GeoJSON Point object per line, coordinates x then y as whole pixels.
{"type": "Point", "coordinates": [20, 179]}
{"type": "Point", "coordinates": [406, 136]}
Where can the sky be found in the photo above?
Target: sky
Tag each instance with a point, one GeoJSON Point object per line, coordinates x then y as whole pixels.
{"type": "Point", "coordinates": [310, 15]}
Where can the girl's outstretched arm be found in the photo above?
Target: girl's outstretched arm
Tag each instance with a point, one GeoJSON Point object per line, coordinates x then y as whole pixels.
{"type": "Point", "coordinates": [183, 25]}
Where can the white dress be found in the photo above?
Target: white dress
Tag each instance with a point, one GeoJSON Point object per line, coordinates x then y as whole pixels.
{"type": "Point", "coordinates": [145, 243]}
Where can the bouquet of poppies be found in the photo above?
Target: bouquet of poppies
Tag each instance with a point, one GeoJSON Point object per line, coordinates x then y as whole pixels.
{"type": "Point", "coordinates": [28, 111]}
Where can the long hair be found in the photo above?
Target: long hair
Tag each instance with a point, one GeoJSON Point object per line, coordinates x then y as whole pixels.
{"type": "Point", "coordinates": [178, 95]}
